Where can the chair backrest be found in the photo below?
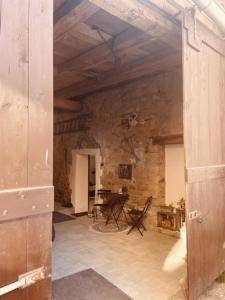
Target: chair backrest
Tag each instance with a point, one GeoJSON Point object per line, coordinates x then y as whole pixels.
{"type": "Point", "coordinates": [147, 206]}
{"type": "Point", "coordinates": [103, 194]}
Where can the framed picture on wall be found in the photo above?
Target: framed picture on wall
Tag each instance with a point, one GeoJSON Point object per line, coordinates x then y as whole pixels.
{"type": "Point", "coordinates": [125, 171]}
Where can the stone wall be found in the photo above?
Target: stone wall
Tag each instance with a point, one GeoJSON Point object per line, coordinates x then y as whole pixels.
{"type": "Point", "coordinates": [123, 121]}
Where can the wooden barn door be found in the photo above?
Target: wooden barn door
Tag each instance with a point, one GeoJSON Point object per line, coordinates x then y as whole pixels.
{"type": "Point", "coordinates": [204, 136]}
{"type": "Point", "coordinates": [26, 192]}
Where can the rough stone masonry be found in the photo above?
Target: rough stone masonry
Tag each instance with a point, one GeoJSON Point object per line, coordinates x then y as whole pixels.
{"type": "Point", "coordinates": [122, 122]}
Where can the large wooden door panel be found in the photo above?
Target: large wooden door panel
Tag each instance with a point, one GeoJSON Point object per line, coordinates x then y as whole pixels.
{"type": "Point", "coordinates": [26, 121]}
{"type": "Point", "coordinates": [204, 131]}
{"type": "Point", "coordinates": [205, 240]}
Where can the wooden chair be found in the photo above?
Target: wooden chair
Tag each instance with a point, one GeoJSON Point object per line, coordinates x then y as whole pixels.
{"type": "Point", "coordinates": [113, 208]}
{"type": "Point", "coordinates": [137, 216]}
{"type": "Point", "coordinates": [104, 195]}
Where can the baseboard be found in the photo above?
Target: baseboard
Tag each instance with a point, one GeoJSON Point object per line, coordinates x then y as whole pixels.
{"type": "Point", "coordinates": [172, 233]}
{"type": "Point", "coordinates": [81, 214]}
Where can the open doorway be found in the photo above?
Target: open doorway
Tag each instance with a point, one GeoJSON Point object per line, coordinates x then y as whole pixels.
{"type": "Point", "coordinates": [133, 132]}
{"type": "Point", "coordinates": [125, 113]}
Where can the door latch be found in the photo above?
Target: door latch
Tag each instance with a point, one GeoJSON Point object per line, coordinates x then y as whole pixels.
{"type": "Point", "coordinates": [195, 215]}
{"type": "Point", "coordinates": [24, 281]}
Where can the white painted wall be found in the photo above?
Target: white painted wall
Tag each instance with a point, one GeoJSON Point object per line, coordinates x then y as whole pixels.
{"type": "Point", "coordinates": [174, 173]}
{"type": "Point", "coordinates": [80, 186]}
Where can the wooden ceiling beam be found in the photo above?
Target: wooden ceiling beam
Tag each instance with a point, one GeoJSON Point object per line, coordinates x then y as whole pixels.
{"type": "Point", "coordinates": [145, 17]}
{"type": "Point", "coordinates": [64, 9]}
{"type": "Point", "coordinates": [67, 105]}
{"type": "Point", "coordinates": [160, 62]}
{"type": "Point", "coordinates": [102, 52]}
{"type": "Point", "coordinates": [79, 13]}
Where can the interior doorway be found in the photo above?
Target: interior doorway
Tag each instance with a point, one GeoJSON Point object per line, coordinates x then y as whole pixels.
{"type": "Point", "coordinates": [129, 120]}
{"type": "Point", "coordinates": [85, 175]}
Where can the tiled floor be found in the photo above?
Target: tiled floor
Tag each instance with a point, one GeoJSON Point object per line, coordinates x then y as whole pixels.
{"type": "Point", "coordinates": [132, 263]}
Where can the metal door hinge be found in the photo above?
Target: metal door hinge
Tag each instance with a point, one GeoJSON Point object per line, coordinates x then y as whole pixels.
{"type": "Point", "coordinates": [24, 281]}
{"type": "Point", "coordinates": [190, 23]}
{"type": "Point", "coordinates": [195, 215]}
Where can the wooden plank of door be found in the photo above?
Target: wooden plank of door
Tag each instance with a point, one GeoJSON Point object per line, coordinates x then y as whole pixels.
{"type": "Point", "coordinates": [40, 138]}
{"type": "Point", "coordinates": [13, 134]}
{"type": "Point", "coordinates": [40, 141]}
{"type": "Point", "coordinates": [204, 131]}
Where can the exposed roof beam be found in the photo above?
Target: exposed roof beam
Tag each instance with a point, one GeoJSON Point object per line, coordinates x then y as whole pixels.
{"type": "Point", "coordinates": [144, 17]}
{"type": "Point", "coordinates": [79, 13]}
{"type": "Point", "coordinates": [64, 9]}
{"type": "Point", "coordinates": [155, 64]}
{"type": "Point", "coordinates": [67, 105]}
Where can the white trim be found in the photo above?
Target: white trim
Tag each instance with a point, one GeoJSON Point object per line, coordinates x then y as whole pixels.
{"type": "Point", "coordinates": [87, 151]}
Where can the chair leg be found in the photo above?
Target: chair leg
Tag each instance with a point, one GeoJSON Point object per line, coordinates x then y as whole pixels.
{"type": "Point", "coordinates": [125, 217]}
{"type": "Point", "coordinates": [131, 229]}
{"type": "Point", "coordinates": [116, 220]}
{"type": "Point", "coordinates": [138, 223]}
{"type": "Point", "coordinates": [142, 225]}
{"type": "Point", "coordinates": [109, 217]}
{"type": "Point", "coordinates": [140, 230]}
{"type": "Point", "coordinates": [94, 214]}
{"type": "Point", "coordinates": [133, 226]}
{"type": "Point", "coordinates": [118, 216]}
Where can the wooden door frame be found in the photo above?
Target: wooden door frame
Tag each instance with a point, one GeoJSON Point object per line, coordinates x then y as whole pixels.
{"type": "Point", "coordinates": [88, 151]}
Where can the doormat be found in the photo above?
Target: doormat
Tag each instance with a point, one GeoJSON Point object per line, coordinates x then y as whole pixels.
{"type": "Point", "coordinates": [59, 217]}
{"type": "Point", "coordinates": [109, 228]}
{"type": "Point", "coordinates": [88, 285]}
